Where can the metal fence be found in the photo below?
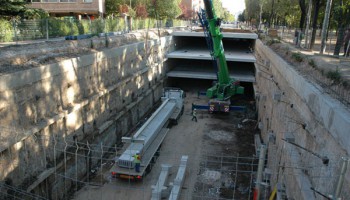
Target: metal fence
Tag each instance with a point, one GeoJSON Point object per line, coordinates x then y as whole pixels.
{"type": "Point", "coordinates": [50, 28]}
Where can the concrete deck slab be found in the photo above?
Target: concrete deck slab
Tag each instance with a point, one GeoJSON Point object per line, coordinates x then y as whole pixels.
{"type": "Point", "coordinates": [196, 73]}
{"type": "Point", "coordinates": [203, 54]}
{"type": "Point", "coordinates": [225, 35]}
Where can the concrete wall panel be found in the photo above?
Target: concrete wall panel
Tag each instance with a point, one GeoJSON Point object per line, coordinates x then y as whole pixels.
{"type": "Point", "coordinates": [315, 120]}
{"type": "Point", "coordinates": [68, 101]}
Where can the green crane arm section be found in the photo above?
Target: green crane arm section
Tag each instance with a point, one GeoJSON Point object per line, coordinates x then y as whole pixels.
{"type": "Point", "coordinates": [226, 87]}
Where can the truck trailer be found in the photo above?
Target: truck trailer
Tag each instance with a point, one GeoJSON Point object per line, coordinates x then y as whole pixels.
{"type": "Point", "coordinates": [148, 139]}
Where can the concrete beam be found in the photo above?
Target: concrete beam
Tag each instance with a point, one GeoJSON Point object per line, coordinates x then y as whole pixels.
{"type": "Point", "coordinates": [204, 54]}
{"type": "Point", "coordinates": [225, 35]}
{"type": "Point", "coordinates": [257, 143]}
{"type": "Point", "coordinates": [175, 192]}
{"type": "Point", "coordinates": [159, 187]}
{"type": "Point", "coordinates": [243, 76]}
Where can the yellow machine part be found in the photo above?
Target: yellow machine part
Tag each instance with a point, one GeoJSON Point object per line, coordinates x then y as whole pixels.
{"type": "Point", "coordinates": [273, 194]}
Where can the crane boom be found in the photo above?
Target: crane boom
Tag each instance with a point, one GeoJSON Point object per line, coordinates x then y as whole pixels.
{"type": "Point", "coordinates": [226, 86]}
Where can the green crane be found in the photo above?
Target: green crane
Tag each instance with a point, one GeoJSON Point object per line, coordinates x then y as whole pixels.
{"type": "Point", "coordinates": [225, 87]}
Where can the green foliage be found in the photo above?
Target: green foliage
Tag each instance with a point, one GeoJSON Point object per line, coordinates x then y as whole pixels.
{"type": "Point", "coordinates": [241, 17]}
{"type": "Point", "coordinates": [6, 31]}
{"type": "Point", "coordinates": [286, 12]}
{"type": "Point", "coordinates": [59, 28]}
{"type": "Point", "coordinates": [112, 6]}
{"type": "Point", "coordinates": [312, 63]}
{"type": "Point", "coordinates": [32, 13]}
{"type": "Point", "coordinates": [322, 71]}
{"type": "Point", "coordinates": [228, 16]}
{"type": "Point", "coordinates": [34, 29]}
{"type": "Point", "coordinates": [83, 26]}
{"type": "Point", "coordinates": [252, 10]}
{"type": "Point", "coordinates": [177, 22]}
{"type": "Point", "coordinates": [272, 41]}
{"type": "Point", "coordinates": [219, 10]}
{"type": "Point", "coordinates": [10, 8]}
{"type": "Point", "coordinates": [297, 56]}
{"type": "Point", "coordinates": [139, 24]}
{"type": "Point", "coordinates": [97, 26]}
{"type": "Point", "coordinates": [114, 25]}
{"type": "Point", "coordinates": [132, 12]}
{"type": "Point", "coordinates": [164, 9]}
{"type": "Point", "coordinates": [334, 75]}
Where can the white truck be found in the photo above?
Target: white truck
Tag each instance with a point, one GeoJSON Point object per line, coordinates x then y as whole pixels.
{"type": "Point", "coordinates": [148, 139]}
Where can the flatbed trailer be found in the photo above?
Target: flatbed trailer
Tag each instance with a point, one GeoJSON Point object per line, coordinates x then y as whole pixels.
{"type": "Point", "coordinates": [148, 139]}
{"type": "Point", "coordinates": [147, 158]}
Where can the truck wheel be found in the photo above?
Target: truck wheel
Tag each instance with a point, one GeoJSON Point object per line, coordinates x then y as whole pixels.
{"type": "Point", "coordinates": [149, 168]}
{"type": "Point", "coordinates": [154, 159]}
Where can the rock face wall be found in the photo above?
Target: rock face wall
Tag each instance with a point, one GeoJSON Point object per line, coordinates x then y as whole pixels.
{"type": "Point", "coordinates": [91, 99]}
{"type": "Point", "coordinates": [294, 109]}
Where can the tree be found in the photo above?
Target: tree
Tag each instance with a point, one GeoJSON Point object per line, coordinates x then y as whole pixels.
{"type": "Point", "coordinates": [228, 16]}
{"type": "Point", "coordinates": [252, 10]}
{"type": "Point", "coordinates": [32, 13]}
{"type": "Point", "coordinates": [325, 25]}
{"type": "Point", "coordinates": [113, 6]}
{"type": "Point", "coordinates": [342, 15]}
{"type": "Point", "coordinates": [164, 9]}
{"type": "Point", "coordinates": [241, 17]}
{"type": "Point", "coordinates": [187, 13]}
{"type": "Point", "coordinates": [302, 21]}
{"type": "Point", "coordinates": [272, 13]}
{"type": "Point", "coordinates": [317, 6]}
{"type": "Point", "coordinates": [10, 8]}
{"type": "Point", "coordinates": [141, 11]}
{"type": "Point", "coordinates": [218, 8]}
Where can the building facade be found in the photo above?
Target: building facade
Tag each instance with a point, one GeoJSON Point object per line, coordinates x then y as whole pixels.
{"type": "Point", "coordinates": [194, 5]}
{"type": "Point", "coordinates": [77, 8]}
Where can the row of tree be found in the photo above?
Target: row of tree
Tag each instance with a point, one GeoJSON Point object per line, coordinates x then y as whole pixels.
{"type": "Point", "coordinates": [160, 9]}
{"type": "Point", "coordinates": [300, 14]}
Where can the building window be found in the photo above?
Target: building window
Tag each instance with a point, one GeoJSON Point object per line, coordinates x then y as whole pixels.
{"type": "Point", "coordinates": [48, 1]}
{"type": "Point", "coordinates": [64, 1]}
{"type": "Point", "coordinates": [87, 1]}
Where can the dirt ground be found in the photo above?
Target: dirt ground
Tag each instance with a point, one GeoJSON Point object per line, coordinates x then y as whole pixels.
{"type": "Point", "coordinates": [33, 54]}
{"type": "Point", "coordinates": [221, 157]}
{"type": "Point", "coordinates": [330, 72]}
{"type": "Point", "coordinates": [326, 62]}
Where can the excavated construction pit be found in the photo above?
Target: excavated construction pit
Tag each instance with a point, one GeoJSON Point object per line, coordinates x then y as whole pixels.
{"type": "Point", "coordinates": [99, 97]}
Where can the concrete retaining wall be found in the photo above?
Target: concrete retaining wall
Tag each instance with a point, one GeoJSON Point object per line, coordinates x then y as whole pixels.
{"type": "Point", "coordinates": [307, 114]}
{"type": "Point", "coordinates": [92, 99]}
